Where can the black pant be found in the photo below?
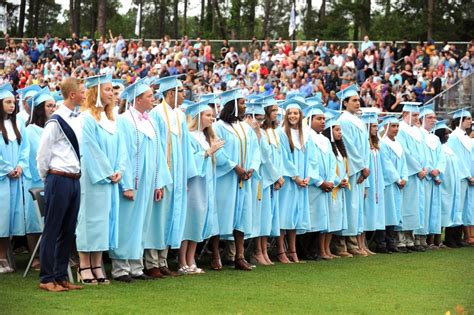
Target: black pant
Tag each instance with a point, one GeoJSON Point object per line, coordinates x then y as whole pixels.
{"type": "Point", "coordinates": [62, 199]}
{"type": "Point", "coordinates": [385, 238]}
{"type": "Point", "coordinates": [453, 236]}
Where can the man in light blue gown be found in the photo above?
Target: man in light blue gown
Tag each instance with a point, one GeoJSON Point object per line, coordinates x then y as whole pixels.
{"type": "Point", "coordinates": [413, 198]}
{"type": "Point", "coordinates": [166, 225]}
{"type": "Point", "coordinates": [145, 175]}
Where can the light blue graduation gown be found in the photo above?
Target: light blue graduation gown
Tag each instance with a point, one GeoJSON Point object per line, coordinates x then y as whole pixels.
{"type": "Point", "coordinates": [97, 222]}
{"type": "Point", "coordinates": [356, 141]}
{"type": "Point", "coordinates": [294, 200]}
{"type": "Point", "coordinates": [201, 216]}
{"type": "Point", "coordinates": [145, 171]}
{"type": "Point", "coordinates": [169, 216]}
{"type": "Point", "coordinates": [462, 145]}
{"type": "Point", "coordinates": [338, 208]}
{"type": "Point", "coordinates": [12, 210]}
{"type": "Point", "coordinates": [435, 160]}
{"type": "Point", "coordinates": [451, 212]}
{"type": "Point", "coordinates": [34, 222]}
{"type": "Point", "coordinates": [394, 168]}
{"type": "Point", "coordinates": [234, 197]}
{"type": "Point", "coordinates": [413, 197]}
{"type": "Point", "coordinates": [271, 170]}
{"type": "Point", "coordinates": [470, 206]}
{"type": "Point", "coordinates": [320, 202]}
{"type": "Point", "coordinates": [374, 204]}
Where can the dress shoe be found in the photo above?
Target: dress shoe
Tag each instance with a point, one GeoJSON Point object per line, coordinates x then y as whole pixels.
{"type": "Point", "coordinates": [52, 287]}
{"type": "Point", "coordinates": [166, 272]}
{"type": "Point", "coordinates": [68, 285]}
{"type": "Point", "coordinates": [382, 250]}
{"type": "Point", "coordinates": [142, 277]}
{"type": "Point", "coordinates": [154, 273]}
{"type": "Point", "coordinates": [228, 262]}
{"type": "Point", "coordinates": [241, 264]}
{"type": "Point", "coordinates": [124, 278]}
{"type": "Point", "coordinates": [403, 250]}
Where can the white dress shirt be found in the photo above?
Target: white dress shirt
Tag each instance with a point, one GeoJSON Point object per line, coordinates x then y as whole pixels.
{"type": "Point", "coordinates": [55, 152]}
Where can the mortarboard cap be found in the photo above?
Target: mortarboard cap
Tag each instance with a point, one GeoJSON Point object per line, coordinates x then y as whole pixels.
{"type": "Point", "coordinates": [459, 113]}
{"type": "Point", "coordinates": [331, 122]}
{"type": "Point", "coordinates": [411, 107]}
{"type": "Point", "coordinates": [194, 109]}
{"type": "Point", "coordinates": [168, 83]}
{"type": "Point", "coordinates": [427, 110]}
{"type": "Point", "coordinates": [6, 90]}
{"type": "Point", "coordinates": [441, 124]}
{"type": "Point", "coordinates": [313, 110]}
{"type": "Point", "coordinates": [314, 100]}
{"type": "Point", "coordinates": [370, 118]}
{"type": "Point", "coordinates": [29, 91]}
{"type": "Point", "coordinates": [97, 80]}
{"type": "Point", "coordinates": [389, 119]}
{"type": "Point", "coordinates": [347, 92]}
{"type": "Point", "coordinates": [134, 90]}
{"type": "Point", "coordinates": [118, 83]}
{"type": "Point", "coordinates": [255, 108]}
{"type": "Point", "coordinates": [295, 101]}
{"type": "Point", "coordinates": [231, 96]}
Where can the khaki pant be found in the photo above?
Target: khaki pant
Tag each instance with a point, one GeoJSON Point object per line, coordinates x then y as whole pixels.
{"type": "Point", "coordinates": [155, 258]}
{"type": "Point", "coordinates": [124, 267]}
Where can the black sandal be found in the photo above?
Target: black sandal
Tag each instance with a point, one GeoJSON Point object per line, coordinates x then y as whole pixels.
{"type": "Point", "coordinates": [102, 280]}
{"type": "Point", "coordinates": [82, 280]}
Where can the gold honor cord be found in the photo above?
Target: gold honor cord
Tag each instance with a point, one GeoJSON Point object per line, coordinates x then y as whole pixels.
{"type": "Point", "coordinates": [335, 190]}
{"type": "Point", "coordinates": [274, 136]}
{"type": "Point", "coordinates": [243, 154]}
{"type": "Point", "coordinates": [170, 139]}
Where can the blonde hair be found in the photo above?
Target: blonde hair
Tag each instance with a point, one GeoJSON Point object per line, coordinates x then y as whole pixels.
{"type": "Point", "coordinates": [70, 85]}
{"type": "Point", "coordinates": [193, 124]}
{"type": "Point", "coordinates": [91, 99]}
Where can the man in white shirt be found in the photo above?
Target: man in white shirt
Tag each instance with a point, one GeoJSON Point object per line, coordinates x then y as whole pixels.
{"type": "Point", "coordinates": [58, 162]}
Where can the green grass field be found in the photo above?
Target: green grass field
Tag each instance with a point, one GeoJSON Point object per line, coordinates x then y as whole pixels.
{"type": "Point", "coordinates": [418, 283]}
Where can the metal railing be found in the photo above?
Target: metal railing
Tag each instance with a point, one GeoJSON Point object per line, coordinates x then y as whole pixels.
{"type": "Point", "coordinates": [459, 95]}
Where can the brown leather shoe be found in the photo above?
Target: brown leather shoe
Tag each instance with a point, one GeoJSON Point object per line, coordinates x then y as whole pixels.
{"type": "Point", "coordinates": [154, 273]}
{"type": "Point", "coordinates": [68, 285]}
{"type": "Point", "coordinates": [52, 287]}
{"type": "Point", "coordinates": [166, 272]}
{"type": "Point", "coordinates": [241, 264]}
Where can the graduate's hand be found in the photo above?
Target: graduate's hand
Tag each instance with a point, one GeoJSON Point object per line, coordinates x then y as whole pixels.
{"type": "Point", "coordinates": [306, 181]}
{"type": "Point", "coordinates": [402, 184]}
{"type": "Point", "coordinates": [159, 194]}
{"type": "Point", "coordinates": [421, 174]}
{"type": "Point", "coordinates": [300, 182]}
{"type": "Point", "coordinates": [437, 182]}
{"type": "Point", "coordinates": [129, 194]}
{"type": "Point", "coordinates": [115, 177]}
{"type": "Point", "coordinates": [216, 145]}
{"type": "Point", "coordinates": [250, 173]}
{"type": "Point", "coordinates": [18, 171]}
{"type": "Point", "coordinates": [276, 186]}
{"type": "Point", "coordinates": [344, 183]}
{"type": "Point", "coordinates": [434, 173]}
{"type": "Point", "coordinates": [240, 171]}
{"type": "Point", "coordinates": [360, 179]}
{"type": "Point", "coordinates": [471, 181]}
{"type": "Point", "coordinates": [366, 172]}
{"type": "Point", "coordinates": [325, 186]}
{"type": "Point", "coordinates": [12, 174]}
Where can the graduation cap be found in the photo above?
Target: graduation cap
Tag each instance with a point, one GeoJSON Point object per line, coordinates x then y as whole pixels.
{"type": "Point", "coordinates": [255, 108]}
{"type": "Point", "coordinates": [28, 92]}
{"type": "Point", "coordinates": [208, 96]}
{"type": "Point", "coordinates": [294, 101]}
{"type": "Point", "coordinates": [169, 83]}
{"type": "Point", "coordinates": [134, 90]}
{"type": "Point", "coordinates": [387, 121]}
{"type": "Point", "coordinates": [441, 124]}
{"type": "Point", "coordinates": [118, 83]}
{"type": "Point", "coordinates": [294, 94]}
{"type": "Point", "coordinates": [331, 113]}
{"type": "Point", "coordinates": [58, 96]}
{"type": "Point", "coordinates": [313, 110]}
{"type": "Point", "coordinates": [195, 109]}
{"type": "Point", "coordinates": [6, 90]}
{"type": "Point", "coordinates": [370, 118]}
{"type": "Point", "coordinates": [332, 121]}
{"type": "Point", "coordinates": [40, 97]}
{"type": "Point", "coordinates": [186, 104]}
{"type": "Point", "coordinates": [460, 113]}
{"type": "Point", "coordinates": [97, 80]}
{"type": "Point", "coordinates": [427, 110]}
{"type": "Point", "coordinates": [411, 107]}
{"type": "Point", "coordinates": [268, 100]}
{"type": "Point", "coordinates": [346, 93]}
{"type": "Point", "coordinates": [232, 95]}
{"type": "Point", "coordinates": [314, 100]}
{"type": "Point", "coordinates": [252, 98]}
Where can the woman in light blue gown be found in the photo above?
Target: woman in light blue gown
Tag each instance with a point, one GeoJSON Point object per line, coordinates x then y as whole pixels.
{"type": "Point", "coordinates": [42, 106]}
{"type": "Point", "coordinates": [14, 151]}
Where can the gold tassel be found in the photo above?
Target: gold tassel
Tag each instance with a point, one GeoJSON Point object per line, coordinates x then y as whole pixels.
{"type": "Point", "coordinates": [259, 192]}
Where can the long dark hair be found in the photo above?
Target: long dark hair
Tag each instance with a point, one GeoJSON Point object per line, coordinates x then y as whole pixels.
{"type": "Point", "coordinates": [456, 122]}
{"type": "Point", "coordinates": [373, 140]}
{"type": "Point", "coordinates": [267, 123]}
{"type": "Point", "coordinates": [337, 144]}
{"type": "Point", "coordinates": [228, 113]}
{"type": "Point", "coordinates": [3, 116]}
{"type": "Point", "coordinates": [39, 116]}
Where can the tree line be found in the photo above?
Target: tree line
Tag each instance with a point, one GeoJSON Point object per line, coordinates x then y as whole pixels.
{"type": "Point", "coordinates": [242, 19]}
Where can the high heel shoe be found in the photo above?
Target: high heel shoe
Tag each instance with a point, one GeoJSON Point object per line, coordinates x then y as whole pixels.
{"type": "Point", "coordinates": [102, 280]}
{"type": "Point", "coordinates": [282, 258]}
{"type": "Point", "coordinates": [82, 280]}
